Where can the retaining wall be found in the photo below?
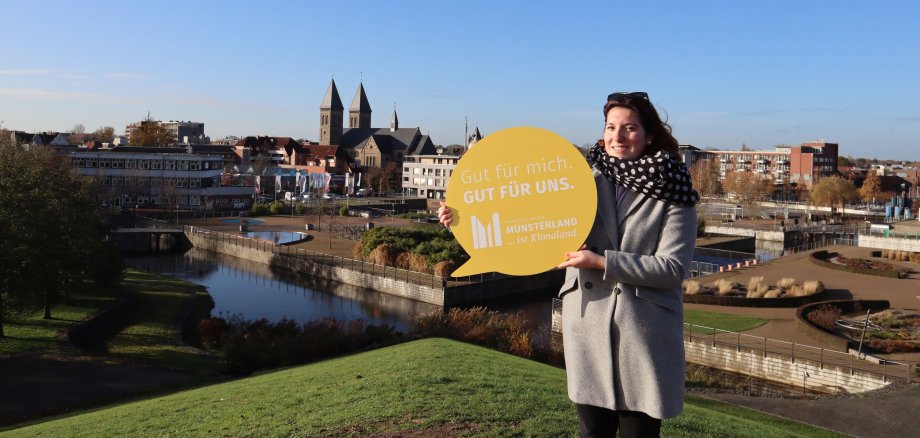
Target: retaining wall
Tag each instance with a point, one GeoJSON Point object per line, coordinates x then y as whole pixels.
{"type": "Point", "coordinates": [807, 374]}
{"type": "Point", "coordinates": [272, 256]}
{"type": "Point", "coordinates": [379, 278]}
{"type": "Point", "coordinates": [880, 242]}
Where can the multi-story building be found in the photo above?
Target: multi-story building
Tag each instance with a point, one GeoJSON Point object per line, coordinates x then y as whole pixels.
{"type": "Point", "coordinates": [785, 164]}
{"type": "Point", "coordinates": [426, 176]}
{"type": "Point", "coordinates": [184, 132]}
{"type": "Point", "coordinates": [162, 177]}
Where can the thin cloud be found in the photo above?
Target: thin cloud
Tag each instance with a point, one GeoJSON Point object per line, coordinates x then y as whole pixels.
{"type": "Point", "coordinates": [41, 94]}
{"type": "Point", "coordinates": [825, 110]}
{"type": "Point", "coordinates": [757, 113]}
{"type": "Point", "coordinates": [27, 72]}
{"type": "Point", "coordinates": [124, 76]}
{"type": "Point", "coordinates": [909, 119]}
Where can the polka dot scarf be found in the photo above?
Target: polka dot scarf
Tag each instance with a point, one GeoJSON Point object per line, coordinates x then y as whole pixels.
{"type": "Point", "coordinates": [660, 176]}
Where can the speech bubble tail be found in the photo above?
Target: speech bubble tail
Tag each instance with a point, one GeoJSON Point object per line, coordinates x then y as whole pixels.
{"type": "Point", "coordinates": [469, 268]}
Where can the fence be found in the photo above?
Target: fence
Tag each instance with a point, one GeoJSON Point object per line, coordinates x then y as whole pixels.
{"type": "Point", "coordinates": [814, 369]}
{"type": "Point", "coordinates": [723, 254]}
{"type": "Point", "coordinates": [296, 257]}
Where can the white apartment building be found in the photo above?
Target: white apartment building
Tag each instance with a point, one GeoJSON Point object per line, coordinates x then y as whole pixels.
{"type": "Point", "coordinates": [426, 176]}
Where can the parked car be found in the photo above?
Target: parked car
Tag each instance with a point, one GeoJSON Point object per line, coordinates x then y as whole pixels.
{"type": "Point", "coordinates": [308, 195]}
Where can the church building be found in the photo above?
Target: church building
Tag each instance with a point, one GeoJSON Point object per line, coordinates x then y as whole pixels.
{"type": "Point", "coordinates": [367, 146]}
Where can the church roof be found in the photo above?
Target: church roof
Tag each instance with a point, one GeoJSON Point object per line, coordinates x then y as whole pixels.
{"type": "Point", "coordinates": [408, 141]}
{"type": "Point", "coordinates": [360, 103]}
{"type": "Point", "coordinates": [332, 100]}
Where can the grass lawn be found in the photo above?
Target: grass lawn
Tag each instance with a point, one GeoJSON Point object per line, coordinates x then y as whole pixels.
{"type": "Point", "coordinates": [432, 387]}
{"type": "Point", "coordinates": [30, 332]}
{"type": "Point", "coordinates": [722, 321]}
{"type": "Point", "coordinates": [153, 335]}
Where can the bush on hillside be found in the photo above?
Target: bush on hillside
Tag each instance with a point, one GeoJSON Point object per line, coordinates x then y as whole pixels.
{"type": "Point", "coordinates": [480, 326]}
{"type": "Point", "coordinates": [249, 346]}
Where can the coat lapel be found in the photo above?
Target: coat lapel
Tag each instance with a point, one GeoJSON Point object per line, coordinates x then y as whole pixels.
{"type": "Point", "coordinates": [606, 207]}
{"type": "Point", "coordinates": [631, 202]}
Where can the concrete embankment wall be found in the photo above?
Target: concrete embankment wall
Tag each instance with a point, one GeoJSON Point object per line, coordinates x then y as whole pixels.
{"type": "Point", "coordinates": [807, 374]}
{"type": "Point", "coordinates": [290, 259]}
{"type": "Point", "coordinates": [896, 243]}
{"type": "Point", "coordinates": [389, 280]}
{"type": "Point", "coordinates": [773, 236]}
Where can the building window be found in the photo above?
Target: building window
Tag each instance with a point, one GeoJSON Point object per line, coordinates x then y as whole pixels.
{"type": "Point", "coordinates": [182, 165]}
{"type": "Point", "coordinates": [194, 165]}
{"type": "Point", "coordinates": [130, 164]}
{"type": "Point", "coordinates": [169, 165]}
{"type": "Point", "coordinates": [143, 164]}
{"type": "Point", "coordinates": [156, 164]}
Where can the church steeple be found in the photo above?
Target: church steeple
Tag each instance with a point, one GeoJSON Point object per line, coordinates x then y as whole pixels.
{"type": "Point", "coordinates": [359, 115]}
{"type": "Point", "coordinates": [330, 116]}
{"type": "Point", "coordinates": [394, 122]}
{"type": "Point", "coordinates": [474, 138]}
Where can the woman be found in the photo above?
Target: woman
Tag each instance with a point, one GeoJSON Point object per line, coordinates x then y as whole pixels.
{"type": "Point", "coordinates": [622, 306]}
{"type": "Point", "coordinates": [622, 303]}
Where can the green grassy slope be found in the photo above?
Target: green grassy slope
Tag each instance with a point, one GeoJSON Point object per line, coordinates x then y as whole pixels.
{"type": "Point", "coordinates": [431, 387]}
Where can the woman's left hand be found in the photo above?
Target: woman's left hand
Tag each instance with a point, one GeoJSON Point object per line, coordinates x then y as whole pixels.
{"type": "Point", "coordinates": [583, 259]}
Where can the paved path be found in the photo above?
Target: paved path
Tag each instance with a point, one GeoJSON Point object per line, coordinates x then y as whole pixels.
{"type": "Point", "coordinates": [35, 385]}
{"type": "Point", "coordinates": [884, 414]}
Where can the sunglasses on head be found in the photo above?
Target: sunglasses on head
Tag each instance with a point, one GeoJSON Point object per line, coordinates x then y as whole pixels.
{"type": "Point", "coordinates": [620, 95]}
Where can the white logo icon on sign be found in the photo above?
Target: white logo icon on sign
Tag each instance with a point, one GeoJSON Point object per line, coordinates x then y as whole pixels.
{"type": "Point", "coordinates": [486, 236]}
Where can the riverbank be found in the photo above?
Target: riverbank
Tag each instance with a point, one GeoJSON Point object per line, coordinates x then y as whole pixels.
{"type": "Point", "coordinates": [146, 353]}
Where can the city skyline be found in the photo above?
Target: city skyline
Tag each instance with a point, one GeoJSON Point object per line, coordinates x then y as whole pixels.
{"type": "Point", "coordinates": [723, 74]}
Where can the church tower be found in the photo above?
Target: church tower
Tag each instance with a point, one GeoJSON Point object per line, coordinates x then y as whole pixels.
{"type": "Point", "coordinates": [359, 115]}
{"type": "Point", "coordinates": [394, 122]}
{"type": "Point", "coordinates": [330, 116]}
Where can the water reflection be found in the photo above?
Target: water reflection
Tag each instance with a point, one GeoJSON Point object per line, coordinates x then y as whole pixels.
{"type": "Point", "coordinates": [256, 290]}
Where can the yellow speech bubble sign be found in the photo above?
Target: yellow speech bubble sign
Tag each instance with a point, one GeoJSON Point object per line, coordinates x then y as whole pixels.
{"type": "Point", "coordinates": [520, 199]}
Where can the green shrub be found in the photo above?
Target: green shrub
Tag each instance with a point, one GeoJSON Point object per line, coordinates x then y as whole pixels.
{"type": "Point", "coordinates": [700, 226]}
{"type": "Point", "coordinates": [259, 209]}
{"type": "Point", "coordinates": [299, 208]}
{"type": "Point", "coordinates": [343, 211]}
{"type": "Point", "coordinates": [276, 207]}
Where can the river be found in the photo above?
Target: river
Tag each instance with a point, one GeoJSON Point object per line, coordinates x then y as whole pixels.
{"type": "Point", "coordinates": [255, 290]}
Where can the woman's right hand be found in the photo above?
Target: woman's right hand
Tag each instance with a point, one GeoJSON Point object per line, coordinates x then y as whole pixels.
{"type": "Point", "coordinates": [444, 215]}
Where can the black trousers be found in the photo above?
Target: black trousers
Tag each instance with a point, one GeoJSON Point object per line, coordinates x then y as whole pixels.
{"type": "Point", "coordinates": [600, 422]}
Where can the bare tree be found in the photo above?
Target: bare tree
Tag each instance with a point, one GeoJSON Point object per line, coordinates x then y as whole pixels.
{"type": "Point", "coordinates": [746, 187]}
{"type": "Point", "coordinates": [705, 176]}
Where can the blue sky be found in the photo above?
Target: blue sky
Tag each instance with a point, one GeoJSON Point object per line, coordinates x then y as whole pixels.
{"type": "Point", "coordinates": [725, 73]}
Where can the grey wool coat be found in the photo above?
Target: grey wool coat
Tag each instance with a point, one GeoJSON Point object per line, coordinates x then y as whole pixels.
{"type": "Point", "coordinates": [622, 327]}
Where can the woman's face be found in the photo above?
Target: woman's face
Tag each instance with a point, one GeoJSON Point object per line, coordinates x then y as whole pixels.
{"type": "Point", "coordinates": [624, 136]}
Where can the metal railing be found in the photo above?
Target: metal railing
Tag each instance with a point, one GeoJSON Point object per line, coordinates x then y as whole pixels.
{"type": "Point", "coordinates": [859, 370]}
{"type": "Point", "coordinates": [723, 254]}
